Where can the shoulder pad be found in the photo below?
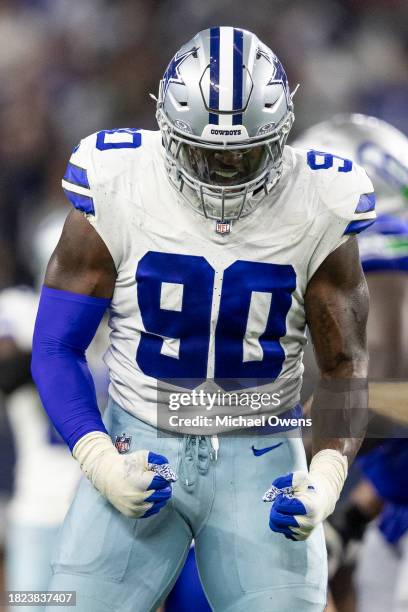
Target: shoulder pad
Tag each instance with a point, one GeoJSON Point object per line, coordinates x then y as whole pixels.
{"type": "Point", "coordinates": [96, 160]}
{"type": "Point", "coordinates": [75, 182]}
{"type": "Point", "coordinates": [102, 176]}
{"type": "Point", "coordinates": [344, 189]}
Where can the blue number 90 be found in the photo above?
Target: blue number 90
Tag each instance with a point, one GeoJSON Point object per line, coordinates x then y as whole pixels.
{"type": "Point", "coordinates": [175, 294]}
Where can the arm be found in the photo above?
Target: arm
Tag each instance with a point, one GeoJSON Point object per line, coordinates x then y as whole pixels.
{"type": "Point", "coordinates": [81, 262]}
{"type": "Point", "coordinates": [336, 305]}
{"type": "Point", "coordinates": [79, 283]}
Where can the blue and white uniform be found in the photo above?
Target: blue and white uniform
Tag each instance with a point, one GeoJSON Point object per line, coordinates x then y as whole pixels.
{"type": "Point", "coordinates": [192, 304]}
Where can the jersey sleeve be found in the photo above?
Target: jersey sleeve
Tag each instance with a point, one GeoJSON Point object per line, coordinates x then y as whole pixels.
{"type": "Point", "coordinates": [75, 182]}
{"type": "Point", "coordinates": [346, 203]}
{"type": "Point", "coordinates": [93, 183]}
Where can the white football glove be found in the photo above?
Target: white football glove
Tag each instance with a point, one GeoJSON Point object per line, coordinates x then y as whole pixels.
{"type": "Point", "coordinates": [302, 500]}
{"type": "Point", "coordinates": [138, 484]}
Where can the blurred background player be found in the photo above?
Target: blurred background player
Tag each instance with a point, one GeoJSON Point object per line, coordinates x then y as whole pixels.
{"type": "Point", "coordinates": [383, 560]}
{"type": "Point", "coordinates": [45, 475]}
{"type": "Point", "coordinates": [383, 151]}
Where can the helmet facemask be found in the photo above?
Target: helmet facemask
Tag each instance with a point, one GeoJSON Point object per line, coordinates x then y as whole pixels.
{"type": "Point", "coordinates": [227, 181]}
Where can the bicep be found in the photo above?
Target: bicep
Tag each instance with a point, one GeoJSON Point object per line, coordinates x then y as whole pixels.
{"type": "Point", "coordinates": [336, 306]}
{"type": "Point", "coordinates": [81, 262]}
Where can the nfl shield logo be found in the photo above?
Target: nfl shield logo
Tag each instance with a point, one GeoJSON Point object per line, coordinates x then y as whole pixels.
{"type": "Point", "coordinates": [223, 227]}
{"type": "Point", "coordinates": [122, 443]}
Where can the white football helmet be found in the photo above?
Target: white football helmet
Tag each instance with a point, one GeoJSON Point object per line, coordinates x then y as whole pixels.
{"type": "Point", "coordinates": [374, 144]}
{"type": "Point", "coordinates": [224, 110]}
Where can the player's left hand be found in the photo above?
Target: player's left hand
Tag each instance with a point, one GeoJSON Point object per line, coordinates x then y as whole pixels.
{"type": "Point", "coordinates": [297, 506]}
{"type": "Point", "coordinates": [302, 500]}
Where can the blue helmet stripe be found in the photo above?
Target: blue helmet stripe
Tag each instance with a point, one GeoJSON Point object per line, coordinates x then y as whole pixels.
{"type": "Point", "coordinates": [214, 98]}
{"type": "Point", "coordinates": [238, 72]}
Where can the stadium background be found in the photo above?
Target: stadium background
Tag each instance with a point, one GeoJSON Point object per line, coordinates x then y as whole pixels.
{"type": "Point", "coordinates": [69, 68]}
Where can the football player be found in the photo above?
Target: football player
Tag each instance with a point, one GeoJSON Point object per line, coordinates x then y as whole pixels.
{"type": "Point", "coordinates": [212, 244]}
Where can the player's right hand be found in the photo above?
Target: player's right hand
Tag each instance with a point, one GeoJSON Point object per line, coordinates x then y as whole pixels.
{"type": "Point", "coordinates": [138, 484]}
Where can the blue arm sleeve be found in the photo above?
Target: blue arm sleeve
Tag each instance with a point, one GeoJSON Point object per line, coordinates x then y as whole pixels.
{"type": "Point", "coordinates": [65, 325]}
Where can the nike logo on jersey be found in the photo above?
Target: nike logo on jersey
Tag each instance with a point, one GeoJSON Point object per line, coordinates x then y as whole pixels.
{"type": "Point", "coordinates": [261, 451]}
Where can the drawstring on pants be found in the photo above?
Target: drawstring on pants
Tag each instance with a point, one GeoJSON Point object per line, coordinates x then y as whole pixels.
{"type": "Point", "coordinates": [197, 453]}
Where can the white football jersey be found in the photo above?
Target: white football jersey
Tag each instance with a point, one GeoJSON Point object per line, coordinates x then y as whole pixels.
{"type": "Point", "coordinates": [192, 304]}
